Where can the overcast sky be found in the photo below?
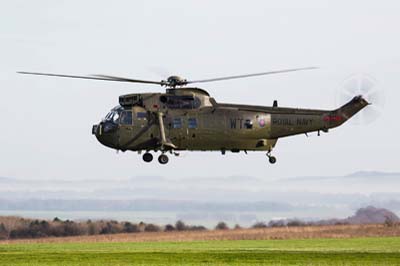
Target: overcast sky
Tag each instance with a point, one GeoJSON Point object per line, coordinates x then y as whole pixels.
{"type": "Point", "coordinates": [46, 126]}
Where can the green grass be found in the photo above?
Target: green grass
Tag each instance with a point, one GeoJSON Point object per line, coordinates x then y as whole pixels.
{"type": "Point", "coordinates": [361, 251]}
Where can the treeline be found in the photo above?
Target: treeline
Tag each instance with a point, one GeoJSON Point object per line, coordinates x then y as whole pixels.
{"type": "Point", "coordinates": [16, 227]}
{"type": "Point", "coordinates": [12, 227]}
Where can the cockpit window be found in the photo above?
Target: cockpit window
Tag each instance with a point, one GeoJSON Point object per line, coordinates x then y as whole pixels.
{"type": "Point", "coordinates": [109, 116]}
{"type": "Point", "coordinates": [114, 114]}
{"type": "Point", "coordinates": [115, 117]}
{"type": "Point", "coordinates": [126, 118]}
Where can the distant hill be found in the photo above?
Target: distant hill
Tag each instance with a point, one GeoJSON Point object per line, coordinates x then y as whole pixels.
{"type": "Point", "coordinates": [372, 215]}
{"type": "Point", "coordinates": [358, 174]}
{"type": "Point", "coordinates": [365, 182]}
{"type": "Point", "coordinates": [368, 174]}
{"type": "Point", "coordinates": [367, 215]}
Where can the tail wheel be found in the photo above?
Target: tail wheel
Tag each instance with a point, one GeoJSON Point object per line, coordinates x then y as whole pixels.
{"type": "Point", "coordinates": [272, 159]}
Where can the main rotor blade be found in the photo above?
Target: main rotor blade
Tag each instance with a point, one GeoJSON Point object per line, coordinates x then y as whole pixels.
{"type": "Point", "coordinates": [251, 75]}
{"type": "Point", "coordinates": [95, 77]}
{"type": "Point", "coordinates": [122, 79]}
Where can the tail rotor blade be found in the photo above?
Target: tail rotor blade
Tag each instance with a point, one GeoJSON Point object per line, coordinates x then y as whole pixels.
{"type": "Point", "coordinates": [368, 87]}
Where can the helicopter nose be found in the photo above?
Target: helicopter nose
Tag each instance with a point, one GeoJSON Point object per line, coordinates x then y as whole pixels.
{"type": "Point", "coordinates": [105, 134]}
{"type": "Point", "coordinates": [96, 129]}
{"type": "Point", "coordinates": [104, 128]}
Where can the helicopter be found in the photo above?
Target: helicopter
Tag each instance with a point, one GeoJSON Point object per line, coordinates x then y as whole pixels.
{"type": "Point", "coordinates": [188, 118]}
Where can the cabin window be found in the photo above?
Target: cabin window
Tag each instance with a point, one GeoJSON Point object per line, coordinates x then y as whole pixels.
{"type": "Point", "coordinates": [177, 123]}
{"type": "Point", "coordinates": [192, 123]}
{"type": "Point", "coordinates": [141, 115]}
{"type": "Point", "coordinates": [181, 102]}
{"type": "Point", "coordinates": [248, 124]}
{"type": "Point", "coordinates": [126, 118]}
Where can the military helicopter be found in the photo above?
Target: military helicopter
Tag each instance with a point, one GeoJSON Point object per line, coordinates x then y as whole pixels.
{"type": "Point", "coordinates": [188, 118]}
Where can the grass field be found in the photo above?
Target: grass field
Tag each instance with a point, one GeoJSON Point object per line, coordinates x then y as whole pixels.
{"type": "Point", "coordinates": [350, 251]}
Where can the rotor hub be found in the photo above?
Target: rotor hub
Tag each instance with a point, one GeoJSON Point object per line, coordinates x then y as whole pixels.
{"type": "Point", "coordinates": [173, 81]}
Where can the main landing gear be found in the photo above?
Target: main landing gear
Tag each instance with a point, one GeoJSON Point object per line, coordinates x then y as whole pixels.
{"type": "Point", "coordinates": [162, 159]}
{"type": "Point", "coordinates": [271, 159]}
{"type": "Point", "coordinates": [165, 145]}
{"type": "Point", "coordinates": [147, 157]}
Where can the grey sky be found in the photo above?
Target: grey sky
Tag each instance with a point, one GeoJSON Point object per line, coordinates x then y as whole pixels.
{"type": "Point", "coordinates": [46, 125]}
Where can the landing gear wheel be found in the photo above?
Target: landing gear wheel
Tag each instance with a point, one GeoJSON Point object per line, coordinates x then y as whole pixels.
{"type": "Point", "coordinates": [163, 159]}
{"type": "Point", "coordinates": [147, 157]}
{"type": "Point", "coordinates": [272, 159]}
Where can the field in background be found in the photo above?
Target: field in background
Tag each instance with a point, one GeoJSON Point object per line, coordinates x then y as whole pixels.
{"type": "Point", "coordinates": [350, 251]}
{"type": "Point", "coordinates": [304, 245]}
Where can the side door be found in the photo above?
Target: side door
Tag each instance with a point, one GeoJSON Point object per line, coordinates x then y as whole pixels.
{"type": "Point", "coordinates": [192, 136]}
{"type": "Point", "coordinates": [176, 130]}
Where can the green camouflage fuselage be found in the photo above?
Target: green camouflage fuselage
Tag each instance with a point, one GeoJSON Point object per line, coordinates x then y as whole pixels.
{"type": "Point", "coordinates": [193, 120]}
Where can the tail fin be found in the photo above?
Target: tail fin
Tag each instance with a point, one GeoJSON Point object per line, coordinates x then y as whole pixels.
{"type": "Point", "coordinates": [344, 113]}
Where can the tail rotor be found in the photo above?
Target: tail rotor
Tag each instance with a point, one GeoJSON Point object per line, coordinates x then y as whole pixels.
{"type": "Point", "coordinates": [368, 87]}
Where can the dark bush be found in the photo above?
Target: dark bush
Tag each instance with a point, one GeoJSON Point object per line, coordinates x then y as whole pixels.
{"type": "Point", "coordinates": [221, 226]}
{"type": "Point", "coordinates": [92, 228]}
{"type": "Point", "coordinates": [237, 227]}
{"type": "Point", "coordinates": [196, 228]}
{"type": "Point", "coordinates": [130, 228]}
{"type": "Point", "coordinates": [169, 228]}
{"type": "Point", "coordinates": [340, 223]}
{"type": "Point", "coordinates": [141, 226]}
{"type": "Point", "coordinates": [180, 226]}
{"type": "Point", "coordinates": [152, 228]}
{"type": "Point", "coordinates": [111, 227]}
{"type": "Point", "coordinates": [69, 228]}
{"type": "Point", "coordinates": [390, 222]}
{"type": "Point", "coordinates": [3, 232]}
{"type": "Point", "coordinates": [19, 233]}
{"type": "Point", "coordinates": [277, 223]}
{"type": "Point", "coordinates": [259, 225]}
{"type": "Point", "coordinates": [296, 222]}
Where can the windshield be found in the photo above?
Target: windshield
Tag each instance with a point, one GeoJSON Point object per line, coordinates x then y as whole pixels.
{"type": "Point", "coordinates": [114, 114]}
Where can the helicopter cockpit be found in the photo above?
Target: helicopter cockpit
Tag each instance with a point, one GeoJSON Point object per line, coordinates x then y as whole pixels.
{"type": "Point", "coordinates": [110, 122]}
{"type": "Point", "coordinates": [114, 114]}
{"type": "Point", "coordinates": [119, 115]}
